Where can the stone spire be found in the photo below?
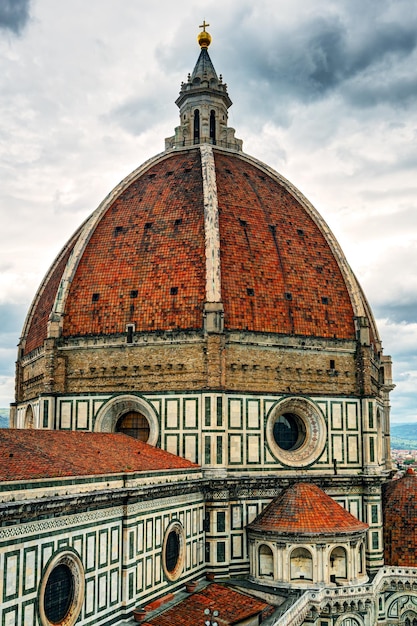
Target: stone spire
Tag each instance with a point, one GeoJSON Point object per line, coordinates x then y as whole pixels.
{"type": "Point", "coordinates": [203, 104]}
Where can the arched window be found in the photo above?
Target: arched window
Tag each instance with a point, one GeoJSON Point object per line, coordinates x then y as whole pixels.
{"type": "Point", "coordinates": [135, 425]}
{"type": "Point", "coordinates": [196, 126]}
{"type": "Point", "coordinates": [212, 127]}
{"type": "Point", "coordinates": [338, 563]}
{"type": "Point", "coordinates": [266, 561]}
{"type": "Point", "coordinates": [350, 621]}
{"type": "Point", "coordinates": [301, 564]}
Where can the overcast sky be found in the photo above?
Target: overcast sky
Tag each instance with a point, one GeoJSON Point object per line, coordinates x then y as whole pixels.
{"type": "Point", "coordinates": [324, 91]}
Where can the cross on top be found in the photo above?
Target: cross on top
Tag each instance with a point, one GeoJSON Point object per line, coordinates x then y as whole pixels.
{"type": "Point", "coordinates": [203, 25]}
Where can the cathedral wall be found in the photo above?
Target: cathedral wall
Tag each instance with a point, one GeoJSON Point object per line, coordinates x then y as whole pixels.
{"type": "Point", "coordinates": [31, 376]}
{"type": "Point", "coordinates": [26, 549]}
{"type": "Point", "coordinates": [119, 551]}
{"type": "Point", "coordinates": [220, 430]}
{"type": "Point", "coordinates": [105, 368]}
{"type": "Point", "coordinates": [325, 370]}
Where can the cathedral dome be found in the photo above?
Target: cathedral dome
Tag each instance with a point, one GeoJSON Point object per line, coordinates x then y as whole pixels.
{"type": "Point", "coordinates": [154, 254]}
{"type": "Point", "coordinates": [400, 515]}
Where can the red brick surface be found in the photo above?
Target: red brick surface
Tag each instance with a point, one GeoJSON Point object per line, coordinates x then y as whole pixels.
{"type": "Point", "coordinates": [233, 607]}
{"type": "Point", "coordinates": [145, 262]}
{"type": "Point", "coordinates": [148, 243]}
{"type": "Point", "coordinates": [400, 521]}
{"type": "Point", "coordinates": [305, 508]}
{"type": "Point", "coordinates": [271, 245]}
{"type": "Point", "coordinates": [30, 454]}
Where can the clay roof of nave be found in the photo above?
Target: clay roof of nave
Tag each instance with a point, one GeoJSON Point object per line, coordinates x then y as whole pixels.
{"type": "Point", "coordinates": [233, 606]}
{"type": "Point", "coordinates": [400, 521]}
{"type": "Point", "coordinates": [27, 454]}
{"type": "Point", "coordinates": [144, 261]}
{"type": "Point", "coordinates": [304, 508]}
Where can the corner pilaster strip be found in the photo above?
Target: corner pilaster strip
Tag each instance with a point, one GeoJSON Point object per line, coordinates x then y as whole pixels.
{"type": "Point", "coordinates": [211, 225]}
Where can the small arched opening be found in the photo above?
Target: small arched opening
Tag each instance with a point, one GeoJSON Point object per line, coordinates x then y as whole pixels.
{"type": "Point", "coordinates": [212, 127]}
{"type": "Point", "coordinates": [266, 561]}
{"type": "Point", "coordinates": [301, 564]}
{"type": "Point", "coordinates": [196, 133]}
{"type": "Point", "coordinates": [409, 619]}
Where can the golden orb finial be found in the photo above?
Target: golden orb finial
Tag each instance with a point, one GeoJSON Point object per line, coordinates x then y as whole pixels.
{"type": "Point", "coordinates": [204, 38]}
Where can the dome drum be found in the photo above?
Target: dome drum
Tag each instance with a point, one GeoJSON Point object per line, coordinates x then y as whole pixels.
{"type": "Point", "coordinates": [299, 562]}
{"type": "Point", "coordinates": [305, 538]}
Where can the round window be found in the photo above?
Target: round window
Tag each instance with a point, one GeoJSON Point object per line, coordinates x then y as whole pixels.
{"type": "Point", "coordinates": [135, 425]}
{"type": "Point", "coordinates": [296, 432]}
{"type": "Point", "coordinates": [61, 593]}
{"type": "Point", "coordinates": [174, 551]}
{"type": "Point", "coordinates": [289, 431]}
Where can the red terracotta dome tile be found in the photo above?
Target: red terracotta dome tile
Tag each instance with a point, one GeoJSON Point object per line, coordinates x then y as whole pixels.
{"type": "Point", "coordinates": [304, 508]}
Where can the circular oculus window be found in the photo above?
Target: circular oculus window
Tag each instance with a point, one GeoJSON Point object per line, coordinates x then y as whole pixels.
{"type": "Point", "coordinates": [173, 551]}
{"type": "Point", "coordinates": [296, 432]}
{"type": "Point", "coordinates": [61, 593]}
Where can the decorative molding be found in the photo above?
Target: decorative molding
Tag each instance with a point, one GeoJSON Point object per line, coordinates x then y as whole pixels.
{"type": "Point", "coordinates": [172, 502]}
{"type": "Point", "coordinates": [57, 523]}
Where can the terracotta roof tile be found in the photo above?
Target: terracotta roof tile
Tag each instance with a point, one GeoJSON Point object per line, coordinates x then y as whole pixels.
{"type": "Point", "coordinates": [270, 245]}
{"type": "Point", "coordinates": [30, 454]}
{"type": "Point", "coordinates": [145, 262]}
{"type": "Point", "coordinates": [304, 508]}
{"type": "Point", "coordinates": [233, 606]}
{"type": "Point", "coordinates": [400, 521]}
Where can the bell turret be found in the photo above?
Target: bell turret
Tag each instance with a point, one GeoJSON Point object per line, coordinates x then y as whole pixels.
{"type": "Point", "coordinates": [203, 104]}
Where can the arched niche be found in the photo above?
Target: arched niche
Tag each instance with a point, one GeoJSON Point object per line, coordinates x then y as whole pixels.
{"type": "Point", "coordinates": [301, 564]}
{"type": "Point", "coordinates": [338, 563]}
{"type": "Point", "coordinates": [265, 561]}
{"type": "Point", "coordinates": [29, 417]}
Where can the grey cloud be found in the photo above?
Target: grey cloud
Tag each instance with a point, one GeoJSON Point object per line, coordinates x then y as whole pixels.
{"type": "Point", "coordinates": [11, 322]}
{"type": "Point", "coordinates": [138, 115]}
{"type": "Point", "coordinates": [7, 355]}
{"type": "Point", "coordinates": [14, 15]}
{"type": "Point", "coordinates": [327, 53]}
{"type": "Point", "coordinates": [394, 90]}
{"type": "Point", "coordinates": [11, 318]}
{"type": "Point", "coordinates": [398, 312]}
